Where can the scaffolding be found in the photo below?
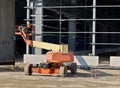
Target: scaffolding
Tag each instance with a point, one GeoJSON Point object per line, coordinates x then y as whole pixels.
{"type": "Point", "coordinates": [76, 22]}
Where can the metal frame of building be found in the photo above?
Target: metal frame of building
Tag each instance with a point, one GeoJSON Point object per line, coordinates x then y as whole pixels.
{"type": "Point", "coordinates": [37, 6]}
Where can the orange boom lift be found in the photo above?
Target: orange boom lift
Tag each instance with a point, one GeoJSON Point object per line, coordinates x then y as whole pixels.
{"type": "Point", "coordinates": [56, 56]}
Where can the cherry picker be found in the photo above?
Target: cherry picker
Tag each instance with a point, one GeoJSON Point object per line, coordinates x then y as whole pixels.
{"type": "Point", "coordinates": [57, 55]}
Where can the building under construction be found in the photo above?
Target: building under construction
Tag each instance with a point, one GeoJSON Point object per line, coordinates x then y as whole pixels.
{"type": "Point", "coordinates": [89, 27]}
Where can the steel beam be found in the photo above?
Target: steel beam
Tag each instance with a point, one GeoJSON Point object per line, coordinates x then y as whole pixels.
{"type": "Point", "coordinates": [74, 6]}
{"type": "Point", "coordinates": [115, 44]}
{"type": "Point", "coordinates": [102, 19]}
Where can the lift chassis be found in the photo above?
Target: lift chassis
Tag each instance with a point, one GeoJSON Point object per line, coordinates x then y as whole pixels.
{"type": "Point", "coordinates": [50, 68]}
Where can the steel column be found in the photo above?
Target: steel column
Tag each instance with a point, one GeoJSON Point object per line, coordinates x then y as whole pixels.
{"type": "Point", "coordinates": [94, 27]}
{"type": "Point", "coordinates": [28, 22]}
{"type": "Point", "coordinates": [72, 28]}
{"type": "Point", "coordinates": [38, 20]}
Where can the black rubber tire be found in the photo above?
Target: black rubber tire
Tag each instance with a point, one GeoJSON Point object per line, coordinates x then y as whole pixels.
{"type": "Point", "coordinates": [28, 69]}
{"type": "Point", "coordinates": [73, 68]}
{"type": "Point", "coordinates": [63, 71]}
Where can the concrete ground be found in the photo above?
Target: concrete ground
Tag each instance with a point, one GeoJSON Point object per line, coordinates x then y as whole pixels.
{"type": "Point", "coordinates": [13, 77]}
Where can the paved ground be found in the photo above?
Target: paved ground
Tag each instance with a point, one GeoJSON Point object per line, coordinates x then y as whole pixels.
{"type": "Point", "coordinates": [13, 77]}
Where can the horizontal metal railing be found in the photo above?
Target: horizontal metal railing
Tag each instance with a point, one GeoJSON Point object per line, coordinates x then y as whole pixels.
{"type": "Point", "coordinates": [90, 6]}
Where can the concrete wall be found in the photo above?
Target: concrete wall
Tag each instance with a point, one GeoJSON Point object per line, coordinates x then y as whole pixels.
{"type": "Point", "coordinates": [80, 60]}
{"type": "Point", "coordinates": [7, 24]}
{"type": "Point", "coordinates": [86, 60]}
{"type": "Point", "coordinates": [34, 58]}
{"type": "Point", "coordinates": [115, 61]}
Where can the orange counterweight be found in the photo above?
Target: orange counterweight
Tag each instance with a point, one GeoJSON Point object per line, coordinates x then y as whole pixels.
{"type": "Point", "coordinates": [59, 57]}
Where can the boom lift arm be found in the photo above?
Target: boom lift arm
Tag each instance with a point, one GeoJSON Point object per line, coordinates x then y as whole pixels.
{"type": "Point", "coordinates": [44, 45]}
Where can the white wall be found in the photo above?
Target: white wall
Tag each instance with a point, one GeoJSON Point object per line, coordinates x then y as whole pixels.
{"type": "Point", "coordinates": [80, 60]}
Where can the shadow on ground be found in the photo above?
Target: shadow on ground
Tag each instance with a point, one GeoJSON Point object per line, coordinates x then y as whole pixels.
{"type": "Point", "coordinates": [11, 69]}
{"type": "Point", "coordinates": [90, 73]}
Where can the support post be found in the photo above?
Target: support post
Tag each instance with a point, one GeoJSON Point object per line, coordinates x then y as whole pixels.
{"type": "Point", "coordinates": [94, 28]}
{"type": "Point", "coordinates": [72, 28]}
{"type": "Point", "coordinates": [72, 37]}
{"type": "Point", "coordinates": [28, 22]}
{"type": "Point", "coordinates": [38, 24]}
